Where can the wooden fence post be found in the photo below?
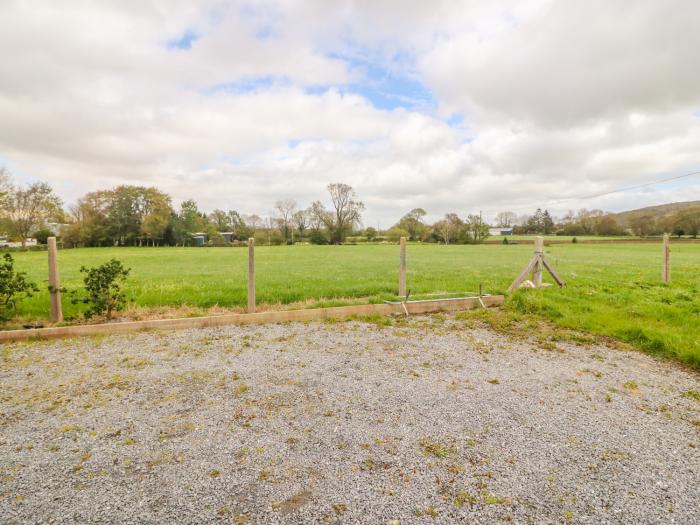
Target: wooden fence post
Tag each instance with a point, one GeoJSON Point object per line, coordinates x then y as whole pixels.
{"type": "Point", "coordinates": [251, 275]}
{"type": "Point", "coordinates": [537, 271]}
{"type": "Point", "coordinates": [666, 269]}
{"type": "Point", "coordinates": [54, 282]}
{"type": "Point", "coordinates": [402, 267]}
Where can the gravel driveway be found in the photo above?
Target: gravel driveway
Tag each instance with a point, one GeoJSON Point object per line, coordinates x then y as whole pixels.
{"type": "Point", "coordinates": [432, 420]}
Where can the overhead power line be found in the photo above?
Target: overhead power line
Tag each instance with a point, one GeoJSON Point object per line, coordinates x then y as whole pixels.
{"type": "Point", "coordinates": [605, 193]}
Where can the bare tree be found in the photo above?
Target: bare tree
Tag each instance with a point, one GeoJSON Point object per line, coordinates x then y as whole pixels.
{"type": "Point", "coordinates": [253, 222]}
{"type": "Point", "coordinates": [285, 211]}
{"type": "Point", "coordinates": [506, 219]}
{"type": "Point", "coordinates": [346, 212]}
{"type": "Point", "coordinates": [5, 185]}
{"type": "Point", "coordinates": [300, 219]}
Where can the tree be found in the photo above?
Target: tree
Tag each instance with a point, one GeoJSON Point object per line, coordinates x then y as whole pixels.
{"type": "Point", "coordinates": [506, 219]}
{"type": "Point", "coordinates": [31, 208]}
{"type": "Point", "coordinates": [588, 219]}
{"type": "Point", "coordinates": [300, 220]}
{"type": "Point", "coordinates": [253, 222]}
{"type": "Point", "coordinates": [643, 225]}
{"type": "Point", "coordinates": [413, 223]}
{"type": "Point", "coordinates": [394, 234]}
{"type": "Point", "coordinates": [370, 233]}
{"type": "Point", "coordinates": [285, 210]}
{"type": "Point", "coordinates": [238, 226]}
{"type": "Point", "coordinates": [688, 220]}
{"type": "Point", "coordinates": [540, 222]}
{"type": "Point", "coordinates": [608, 225]}
{"type": "Point", "coordinates": [346, 212]}
{"type": "Point", "coordinates": [5, 186]}
{"type": "Point", "coordinates": [449, 228]}
{"type": "Point", "coordinates": [128, 209]}
{"type": "Point", "coordinates": [476, 229]}
{"type": "Point", "coordinates": [221, 220]}
{"type": "Point", "coordinates": [188, 221]}
{"type": "Point", "coordinates": [90, 226]}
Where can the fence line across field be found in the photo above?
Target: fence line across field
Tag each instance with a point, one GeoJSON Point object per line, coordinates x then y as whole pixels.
{"type": "Point", "coordinates": [536, 265]}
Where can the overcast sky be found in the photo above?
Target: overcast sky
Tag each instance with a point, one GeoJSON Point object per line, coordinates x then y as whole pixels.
{"type": "Point", "coordinates": [446, 105]}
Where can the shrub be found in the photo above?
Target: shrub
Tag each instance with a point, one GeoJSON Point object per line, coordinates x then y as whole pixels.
{"type": "Point", "coordinates": [13, 285]}
{"type": "Point", "coordinates": [103, 285]}
{"type": "Point", "coordinates": [42, 235]}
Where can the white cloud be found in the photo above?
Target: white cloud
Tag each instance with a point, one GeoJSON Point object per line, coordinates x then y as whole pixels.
{"type": "Point", "coordinates": [559, 99]}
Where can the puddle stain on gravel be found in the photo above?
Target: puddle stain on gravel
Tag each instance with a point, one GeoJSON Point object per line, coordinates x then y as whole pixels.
{"type": "Point", "coordinates": [295, 502]}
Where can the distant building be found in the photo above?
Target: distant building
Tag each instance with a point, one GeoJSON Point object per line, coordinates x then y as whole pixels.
{"type": "Point", "coordinates": [500, 231]}
{"type": "Point", "coordinates": [57, 228]}
{"type": "Point", "coordinates": [4, 243]}
{"type": "Point", "coordinates": [199, 239]}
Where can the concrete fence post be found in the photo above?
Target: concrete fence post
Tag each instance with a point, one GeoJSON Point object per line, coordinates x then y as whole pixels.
{"type": "Point", "coordinates": [251, 275]}
{"type": "Point", "coordinates": [54, 283]}
{"type": "Point", "coordinates": [402, 267]}
{"type": "Point", "coordinates": [666, 268]}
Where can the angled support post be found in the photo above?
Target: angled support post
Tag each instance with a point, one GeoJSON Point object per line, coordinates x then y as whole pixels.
{"type": "Point", "coordinates": [536, 264]}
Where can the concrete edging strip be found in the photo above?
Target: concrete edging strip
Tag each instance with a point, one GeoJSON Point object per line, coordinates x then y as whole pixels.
{"type": "Point", "coordinates": [279, 316]}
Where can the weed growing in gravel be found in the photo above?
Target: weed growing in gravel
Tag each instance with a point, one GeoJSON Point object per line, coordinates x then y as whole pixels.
{"type": "Point", "coordinates": [494, 381]}
{"type": "Point", "coordinates": [428, 511]}
{"type": "Point", "coordinates": [241, 389]}
{"type": "Point", "coordinates": [214, 473]}
{"type": "Point", "coordinates": [264, 475]}
{"type": "Point", "coordinates": [339, 509]}
{"type": "Point", "coordinates": [433, 448]}
{"type": "Point", "coordinates": [630, 385]}
{"type": "Point", "coordinates": [692, 394]}
{"type": "Point", "coordinates": [490, 499]}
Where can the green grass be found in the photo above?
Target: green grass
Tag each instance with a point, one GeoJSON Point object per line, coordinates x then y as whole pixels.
{"type": "Point", "coordinates": [613, 290]}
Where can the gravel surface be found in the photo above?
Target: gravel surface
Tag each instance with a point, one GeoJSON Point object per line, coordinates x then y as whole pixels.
{"type": "Point", "coordinates": [432, 420]}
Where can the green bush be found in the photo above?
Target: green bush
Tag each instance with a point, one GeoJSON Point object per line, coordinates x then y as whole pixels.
{"type": "Point", "coordinates": [103, 285]}
{"type": "Point", "coordinates": [13, 286]}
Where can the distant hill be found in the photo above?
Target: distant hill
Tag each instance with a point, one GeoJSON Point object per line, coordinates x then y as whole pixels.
{"type": "Point", "coordinates": [658, 212]}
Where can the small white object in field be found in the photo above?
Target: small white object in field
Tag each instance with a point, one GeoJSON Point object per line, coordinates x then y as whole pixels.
{"type": "Point", "coordinates": [527, 284]}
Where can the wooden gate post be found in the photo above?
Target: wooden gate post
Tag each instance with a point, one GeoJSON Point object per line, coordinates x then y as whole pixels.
{"type": "Point", "coordinates": [666, 268]}
{"type": "Point", "coordinates": [402, 267]}
{"type": "Point", "coordinates": [251, 275]}
{"type": "Point", "coordinates": [54, 283]}
{"type": "Point", "coordinates": [539, 252]}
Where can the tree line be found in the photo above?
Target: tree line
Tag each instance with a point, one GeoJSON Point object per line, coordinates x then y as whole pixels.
{"type": "Point", "coordinates": [145, 216]}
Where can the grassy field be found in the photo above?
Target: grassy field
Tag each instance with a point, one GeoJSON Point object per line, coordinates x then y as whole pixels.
{"type": "Point", "coordinates": [613, 290]}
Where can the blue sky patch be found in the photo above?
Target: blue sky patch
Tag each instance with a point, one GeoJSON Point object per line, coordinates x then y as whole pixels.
{"type": "Point", "coordinates": [249, 84]}
{"type": "Point", "coordinates": [184, 41]}
{"type": "Point", "coordinates": [386, 84]}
